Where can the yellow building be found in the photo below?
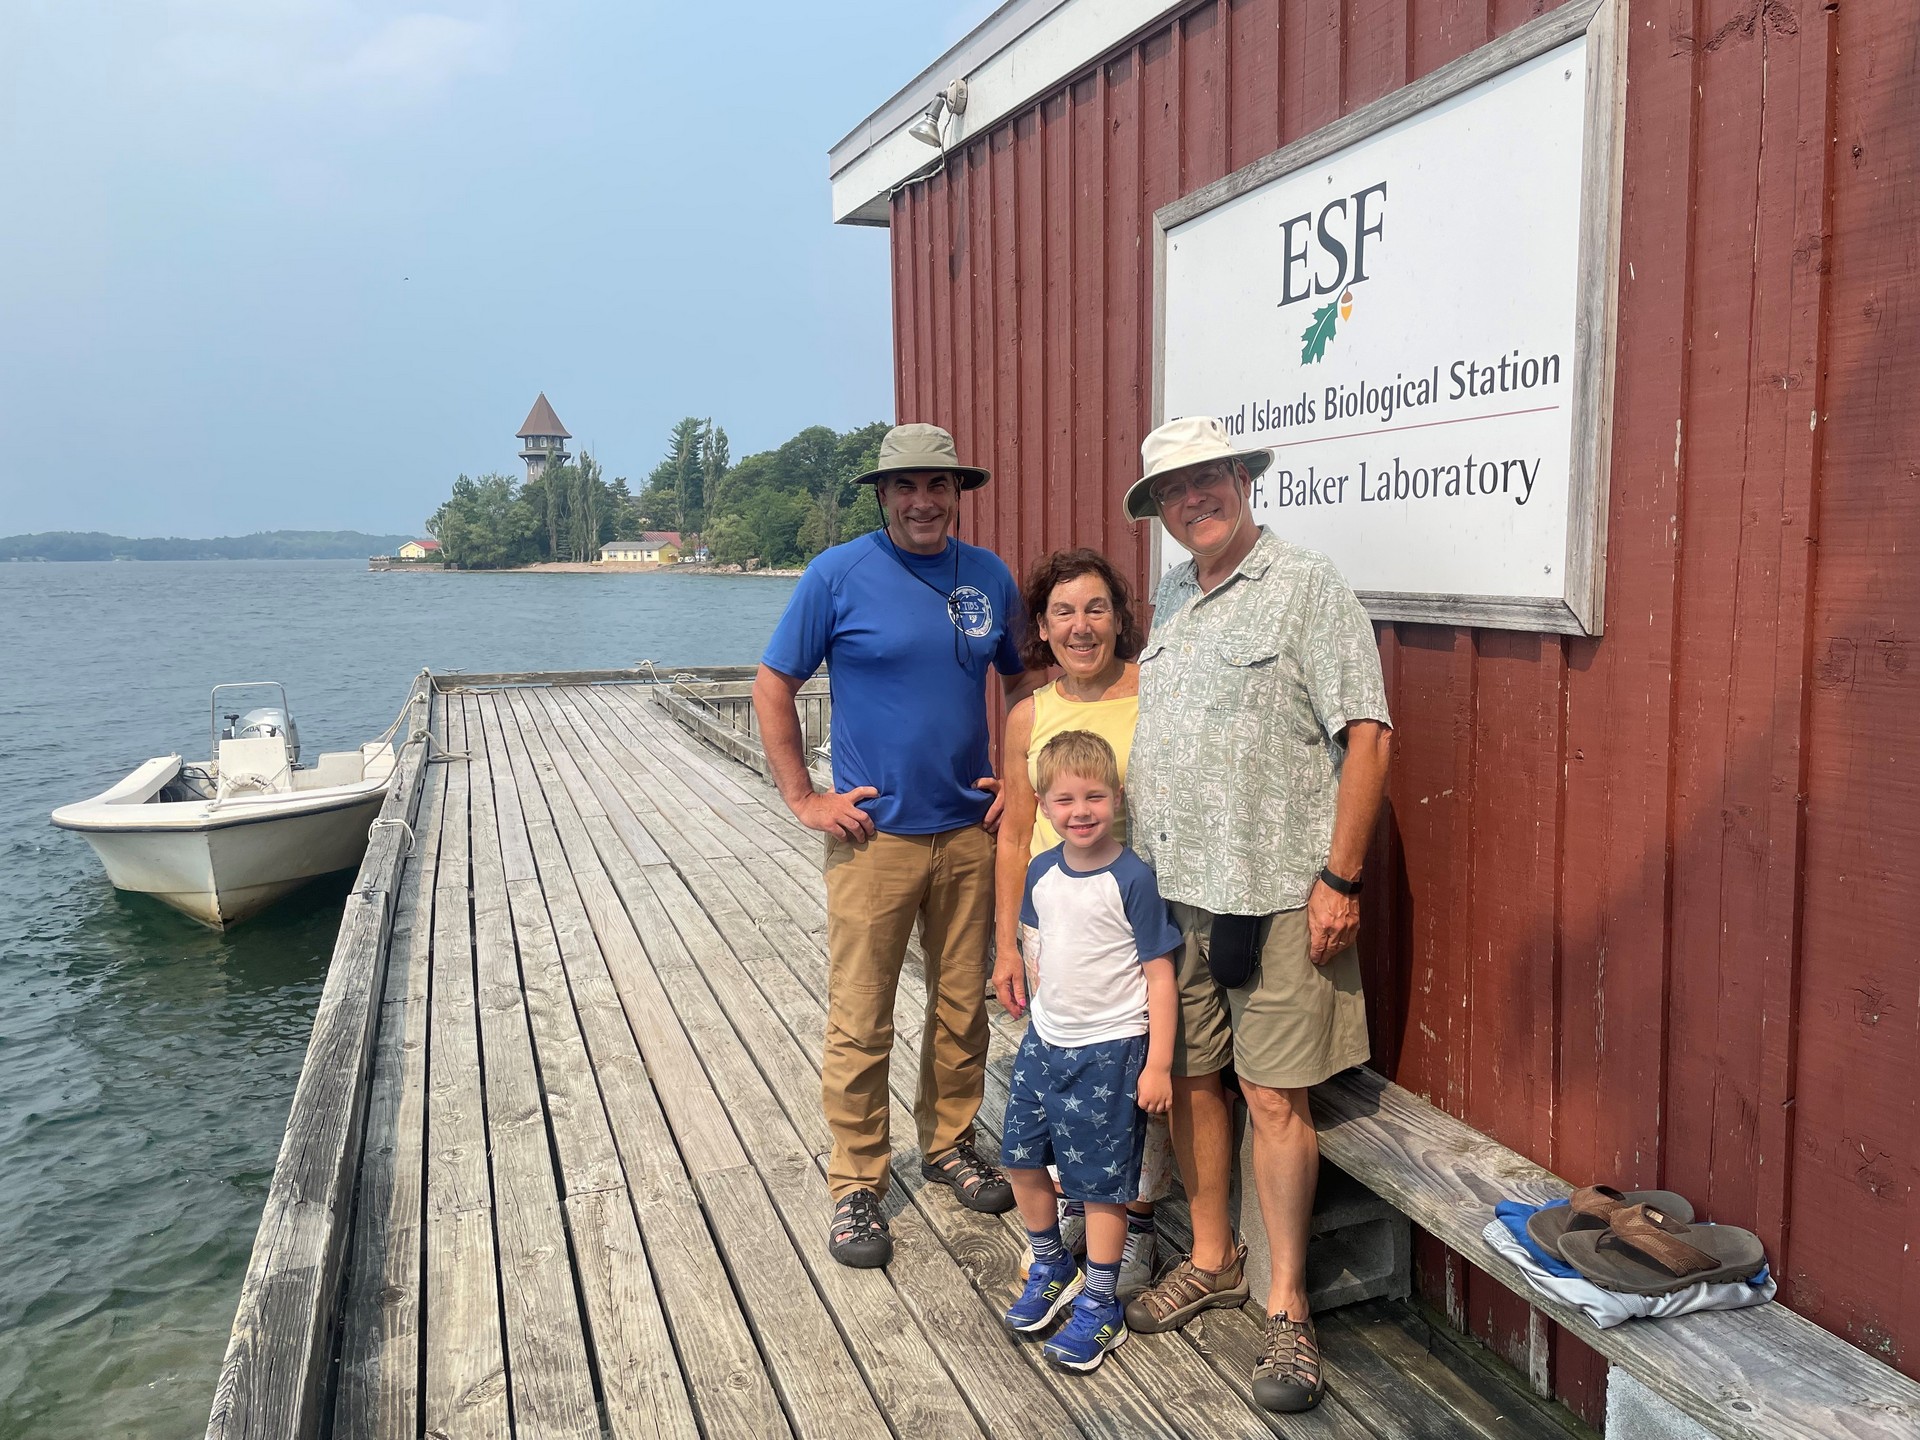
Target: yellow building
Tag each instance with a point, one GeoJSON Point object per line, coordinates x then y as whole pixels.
{"type": "Point", "coordinates": [656, 547]}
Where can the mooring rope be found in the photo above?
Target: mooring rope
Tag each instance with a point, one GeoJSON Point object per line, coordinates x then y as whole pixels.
{"type": "Point", "coordinates": [237, 787]}
{"type": "Point", "coordinates": [392, 820]}
{"type": "Point", "coordinates": [418, 698]}
{"type": "Point", "coordinates": [434, 743]}
{"type": "Point", "coordinates": [679, 677]}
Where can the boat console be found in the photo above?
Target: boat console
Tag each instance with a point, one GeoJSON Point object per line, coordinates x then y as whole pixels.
{"type": "Point", "coordinates": [265, 722]}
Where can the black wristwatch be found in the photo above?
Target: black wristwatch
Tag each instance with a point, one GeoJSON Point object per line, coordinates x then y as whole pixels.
{"type": "Point", "coordinates": [1338, 884]}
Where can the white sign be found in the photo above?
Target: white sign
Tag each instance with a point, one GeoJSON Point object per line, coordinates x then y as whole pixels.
{"type": "Point", "coordinates": [1399, 321]}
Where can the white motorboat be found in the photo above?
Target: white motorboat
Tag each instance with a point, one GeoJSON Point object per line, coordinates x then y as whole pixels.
{"type": "Point", "coordinates": [221, 841]}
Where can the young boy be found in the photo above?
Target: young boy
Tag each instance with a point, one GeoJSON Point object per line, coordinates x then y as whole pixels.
{"type": "Point", "coordinates": [1098, 942]}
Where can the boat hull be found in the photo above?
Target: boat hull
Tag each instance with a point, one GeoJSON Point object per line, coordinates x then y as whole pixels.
{"type": "Point", "coordinates": [223, 876]}
{"type": "Point", "coordinates": [223, 861]}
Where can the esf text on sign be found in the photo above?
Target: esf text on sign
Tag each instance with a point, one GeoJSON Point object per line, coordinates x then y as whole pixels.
{"type": "Point", "coordinates": [1342, 229]}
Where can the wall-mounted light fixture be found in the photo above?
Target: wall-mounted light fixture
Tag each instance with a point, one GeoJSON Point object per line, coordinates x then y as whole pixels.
{"type": "Point", "coordinates": [952, 100]}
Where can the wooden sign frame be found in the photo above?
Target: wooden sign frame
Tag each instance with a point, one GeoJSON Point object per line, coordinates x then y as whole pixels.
{"type": "Point", "coordinates": [1603, 22]}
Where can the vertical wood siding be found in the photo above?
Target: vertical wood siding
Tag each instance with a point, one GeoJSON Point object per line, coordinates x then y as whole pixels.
{"type": "Point", "coordinates": [1647, 905]}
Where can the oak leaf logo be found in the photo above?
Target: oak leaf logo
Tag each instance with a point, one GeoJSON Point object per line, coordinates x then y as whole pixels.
{"type": "Point", "coordinates": [1326, 322]}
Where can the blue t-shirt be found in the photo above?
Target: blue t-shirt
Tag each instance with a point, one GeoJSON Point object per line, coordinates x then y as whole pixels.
{"type": "Point", "coordinates": [907, 640]}
{"type": "Point", "coordinates": [1093, 930]}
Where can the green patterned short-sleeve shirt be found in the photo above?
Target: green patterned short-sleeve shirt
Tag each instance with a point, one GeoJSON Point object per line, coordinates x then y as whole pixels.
{"type": "Point", "coordinates": [1244, 694]}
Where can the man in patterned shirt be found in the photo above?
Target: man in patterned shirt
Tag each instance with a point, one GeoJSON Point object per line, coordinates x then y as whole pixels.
{"type": "Point", "coordinates": [1256, 777]}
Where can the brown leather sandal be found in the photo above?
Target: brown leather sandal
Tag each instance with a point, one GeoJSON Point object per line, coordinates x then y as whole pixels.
{"type": "Point", "coordinates": [1593, 1208]}
{"type": "Point", "coordinates": [1286, 1378]}
{"type": "Point", "coordinates": [1643, 1252]}
{"type": "Point", "coordinates": [1185, 1290]}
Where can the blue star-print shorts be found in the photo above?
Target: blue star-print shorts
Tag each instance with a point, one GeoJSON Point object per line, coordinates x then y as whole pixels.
{"type": "Point", "coordinates": [1073, 1107]}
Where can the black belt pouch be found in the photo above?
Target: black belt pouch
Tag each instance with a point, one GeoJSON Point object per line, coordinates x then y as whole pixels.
{"type": "Point", "coordinates": [1233, 947]}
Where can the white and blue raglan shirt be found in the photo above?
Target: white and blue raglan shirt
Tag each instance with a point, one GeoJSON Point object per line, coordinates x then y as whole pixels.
{"type": "Point", "coordinates": [1096, 929]}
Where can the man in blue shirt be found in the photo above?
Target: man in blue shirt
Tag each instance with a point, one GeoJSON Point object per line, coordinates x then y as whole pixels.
{"type": "Point", "coordinates": [907, 620]}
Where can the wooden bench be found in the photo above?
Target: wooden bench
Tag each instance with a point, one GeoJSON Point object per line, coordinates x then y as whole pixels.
{"type": "Point", "coordinates": [1762, 1373]}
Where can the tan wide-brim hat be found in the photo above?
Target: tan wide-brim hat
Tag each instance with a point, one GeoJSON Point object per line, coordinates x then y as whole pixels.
{"type": "Point", "coordinates": [922, 447]}
{"type": "Point", "coordinates": [1179, 445]}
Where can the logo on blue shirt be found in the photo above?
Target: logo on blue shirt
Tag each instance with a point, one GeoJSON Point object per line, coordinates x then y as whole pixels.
{"type": "Point", "coordinates": [972, 612]}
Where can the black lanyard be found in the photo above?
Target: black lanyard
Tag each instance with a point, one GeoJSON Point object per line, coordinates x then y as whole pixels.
{"type": "Point", "coordinates": [962, 651]}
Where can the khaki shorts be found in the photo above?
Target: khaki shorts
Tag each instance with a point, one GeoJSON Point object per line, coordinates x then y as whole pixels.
{"type": "Point", "coordinates": [1294, 1024]}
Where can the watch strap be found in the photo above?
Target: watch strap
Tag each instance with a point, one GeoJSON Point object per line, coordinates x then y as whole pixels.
{"type": "Point", "coordinates": [1339, 884]}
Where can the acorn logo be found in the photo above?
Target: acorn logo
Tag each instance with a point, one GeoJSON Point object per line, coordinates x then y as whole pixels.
{"type": "Point", "coordinates": [1326, 322]}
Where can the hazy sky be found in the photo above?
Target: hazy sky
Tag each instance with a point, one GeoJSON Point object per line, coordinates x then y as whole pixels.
{"type": "Point", "coordinates": [297, 263]}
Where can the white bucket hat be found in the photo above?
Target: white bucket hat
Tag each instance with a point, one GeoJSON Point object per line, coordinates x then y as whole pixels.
{"type": "Point", "coordinates": [1179, 444]}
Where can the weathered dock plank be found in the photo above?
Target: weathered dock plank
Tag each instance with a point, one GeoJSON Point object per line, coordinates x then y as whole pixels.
{"type": "Point", "coordinates": [724, 1376]}
{"type": "Point", "coordinates": [274, 1375]}
{"type": "Point", "coordinates": [1193, 1400]}
{"type": "Point", "coordinates": [1004, 1391]}
{"type": "Point", "coordinates": [817, 1377]}
{"type": "Point", "coordinates": [550, 1384]}
{"type": "Point", "coordinates": [642, 1390]}
{"type": "Point", "coordinates": [643, 746]}
{"type": "Point", "coordinates": [587, 1172]}
{"type": "Point", "coordinates": [1208, 1401]}
{"type": "Point", "coordinates": [465, 1389]}
{"type": "Point", "coordinates": [749, 1062]}
{"type": "Point", "coordinates": [653, 750]}
{"type": "Point", "coordinates": [379, 1395]}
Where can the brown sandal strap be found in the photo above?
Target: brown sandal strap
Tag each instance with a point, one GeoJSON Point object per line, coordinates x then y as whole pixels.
{"type": "Point", "coordinates": [1185, 1284]}
{"type": "Point", "coordinates": [1648, 1231]}
{"type": "Point", "coordinates": [1598, 1202]}
{"type": "Point", "coordinates": [1292, 1350]}
{"type": "Point", "coordinates": [1177, 1289]}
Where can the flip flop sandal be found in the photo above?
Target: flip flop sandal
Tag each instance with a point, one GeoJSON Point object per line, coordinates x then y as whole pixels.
{"type": "Point", "coordinates": [1593, 1207]}
{"type": "Point", "coordinates": [1643, 1252]}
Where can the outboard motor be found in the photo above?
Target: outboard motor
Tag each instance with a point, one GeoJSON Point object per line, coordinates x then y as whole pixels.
{"type": "Point", "coordinates": [265, 722]}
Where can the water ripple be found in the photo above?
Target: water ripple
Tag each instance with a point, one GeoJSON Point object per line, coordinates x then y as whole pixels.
{"type": "Point", "coordinates": [146, 1065]}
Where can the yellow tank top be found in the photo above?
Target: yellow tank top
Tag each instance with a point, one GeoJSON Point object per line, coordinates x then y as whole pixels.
{"type": "Point", "coordinates": [1111, 720]}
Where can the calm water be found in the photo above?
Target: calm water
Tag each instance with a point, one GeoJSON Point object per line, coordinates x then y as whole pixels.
{"type": "Point", "coordinates": [146, 1065]}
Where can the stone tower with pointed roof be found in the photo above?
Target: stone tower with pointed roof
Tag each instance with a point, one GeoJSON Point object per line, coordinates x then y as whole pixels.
{"type": "Point", "coordinates": [543, 438]}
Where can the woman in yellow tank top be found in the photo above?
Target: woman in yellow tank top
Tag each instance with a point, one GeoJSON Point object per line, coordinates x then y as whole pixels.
{"type": "Point", "coordinates": [1080, 619]}
{"type": "Point", "coordinates": [1055, 709]}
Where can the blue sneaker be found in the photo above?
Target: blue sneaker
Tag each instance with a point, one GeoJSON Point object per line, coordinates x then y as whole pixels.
{"type": "Point", "coordinates": [1088, 1335]}
{"type": "Point", "coordinates": [1050, 1289]}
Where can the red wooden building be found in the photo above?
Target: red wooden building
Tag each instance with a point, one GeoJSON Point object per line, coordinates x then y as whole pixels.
{"type": "Point", "coordinates": [1652, 898]}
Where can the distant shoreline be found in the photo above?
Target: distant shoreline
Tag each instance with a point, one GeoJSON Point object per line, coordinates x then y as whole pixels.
{"type": "Point", "coordinates": [53, 547]}
{"type": "Point", "coordinates": [602, 567]}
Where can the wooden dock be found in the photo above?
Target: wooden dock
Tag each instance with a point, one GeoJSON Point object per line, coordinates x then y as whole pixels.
{"type": "Point", "coordinates": [555, 1166]}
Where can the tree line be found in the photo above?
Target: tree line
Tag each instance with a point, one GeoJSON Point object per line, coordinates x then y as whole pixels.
{"type": "Point", "coordinates": [778, 507]}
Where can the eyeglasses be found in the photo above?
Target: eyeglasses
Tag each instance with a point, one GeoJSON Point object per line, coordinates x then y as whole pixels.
{"type": "Point", "coordinates": [1174, 489]}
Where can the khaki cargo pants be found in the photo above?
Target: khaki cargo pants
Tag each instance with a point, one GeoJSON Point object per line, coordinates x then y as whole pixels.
{"type": "Point", "coordinates": [875, 893]}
